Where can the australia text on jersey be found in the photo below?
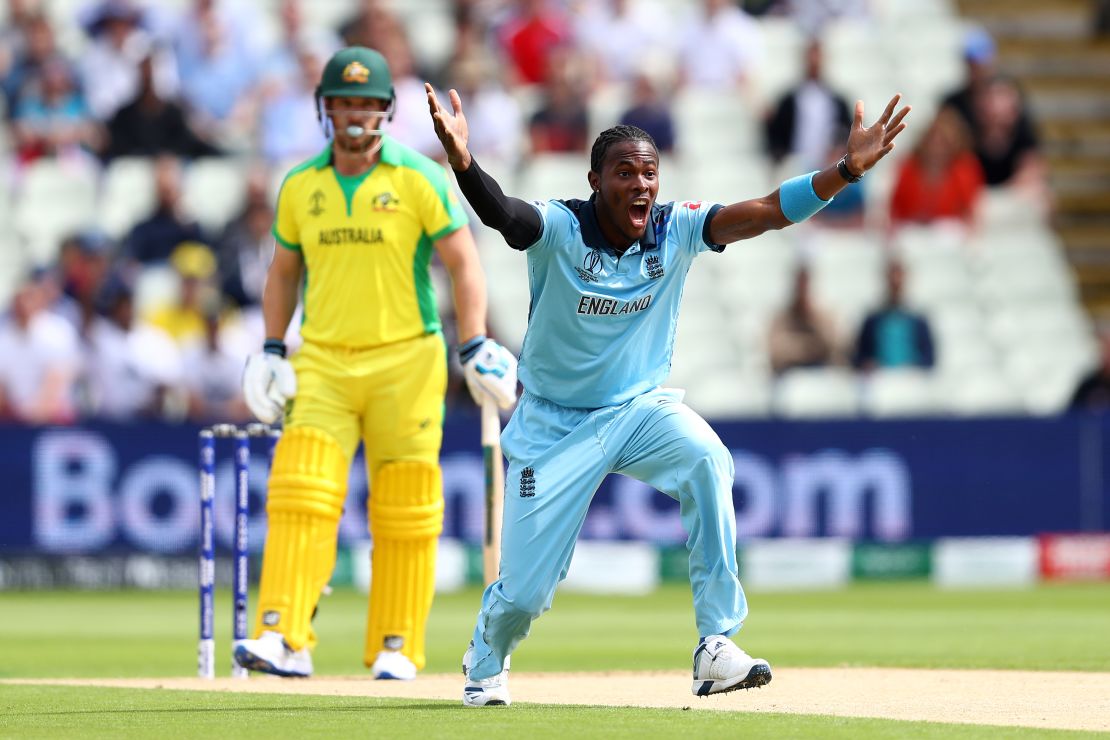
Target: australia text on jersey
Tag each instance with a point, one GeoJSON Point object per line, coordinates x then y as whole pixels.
{"type": "Point", "coordinates": [330, 237]}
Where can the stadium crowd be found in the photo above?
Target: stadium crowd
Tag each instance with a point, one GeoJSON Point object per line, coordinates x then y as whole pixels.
{"type": "Point", "coordinates": [155, 322]}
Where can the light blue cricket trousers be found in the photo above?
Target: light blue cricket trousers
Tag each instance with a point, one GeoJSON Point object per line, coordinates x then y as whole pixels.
{"type": "Point", "coordinates": [557, 458]}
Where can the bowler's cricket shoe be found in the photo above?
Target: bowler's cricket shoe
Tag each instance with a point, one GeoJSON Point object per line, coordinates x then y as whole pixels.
{"type": "Point", "coordinates": [393, 665]}
{"type": "Point", "coordinates": [485, 692]}
{"type": "Point", "coordinates": [270, 654]}
{"type": "Point", "coordinates": [720, 666]}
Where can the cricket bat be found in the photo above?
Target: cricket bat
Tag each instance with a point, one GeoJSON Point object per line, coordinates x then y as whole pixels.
{"type": "Point", "coordinates": [495, 490]}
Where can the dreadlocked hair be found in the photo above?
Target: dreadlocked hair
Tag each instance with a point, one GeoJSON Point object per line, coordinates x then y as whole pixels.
{"type": "Point", "coordinates": [614, 135]}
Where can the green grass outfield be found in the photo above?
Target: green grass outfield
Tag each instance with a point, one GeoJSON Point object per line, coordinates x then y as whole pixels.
{"type": "Point", "coordinates": [134, 634]}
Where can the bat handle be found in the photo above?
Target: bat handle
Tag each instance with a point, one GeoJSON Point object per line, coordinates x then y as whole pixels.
{"type": "Point", "coordinates": [491, 423]}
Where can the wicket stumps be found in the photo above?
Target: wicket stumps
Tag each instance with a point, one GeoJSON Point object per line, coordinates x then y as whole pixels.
{"type": "Point", "coordinates": [206, 649]}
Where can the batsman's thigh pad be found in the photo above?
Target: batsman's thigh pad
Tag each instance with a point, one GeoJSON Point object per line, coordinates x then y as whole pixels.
{"type": "Point", "coordinates": [308, 484]}
{"type": "Point", "coordinates": [406, 517]}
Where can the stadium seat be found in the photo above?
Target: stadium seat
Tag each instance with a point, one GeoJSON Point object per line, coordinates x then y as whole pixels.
{"type": "Point", "coordinates": [548, 176]}
{"type": "Point", "coordinates": [214, 191]}
{"type": "Point", "coordinates": [979, 394]}
{"type": "Point", "coordinates": [899, 392]}
{"type": "Point", "coordinates": [1047, 383]}
{"type": "Point", "coordinates": [604, 108]}
{"type": "Point", "coordinates": [126, 195]}
{"type": "Point", "coordinates": [1003, 210]}
{"type": "Point", "coordinates": [714, 127]}
{"type": "Point", "coordinates": [39, 220]}
{"type": "Point", "coordinates": [938, 283]}
{"type": "Point", "coordinates": [730, 395]}
{"type": "Point", "coordinates": [813, 393]}
{"type": "Point", "coordinates": [781, 65]}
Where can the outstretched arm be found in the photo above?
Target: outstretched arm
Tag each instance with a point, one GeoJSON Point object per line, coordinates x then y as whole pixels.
{"type": "Point", "coordinates": [797, 199]}
{"type": "Point", "coordinates": [517, 220]}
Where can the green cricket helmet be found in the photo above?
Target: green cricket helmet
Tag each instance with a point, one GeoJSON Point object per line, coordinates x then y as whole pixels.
{"type": "Point", "coordinates": [356, 72]}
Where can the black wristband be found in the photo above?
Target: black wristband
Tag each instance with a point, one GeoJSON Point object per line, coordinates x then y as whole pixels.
{"type": "Point", "coordinates": [274, 347]}
{"type": "Point", "coordinates": [842, 168]}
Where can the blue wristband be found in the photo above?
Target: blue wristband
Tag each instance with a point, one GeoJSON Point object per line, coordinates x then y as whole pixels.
{"type": "Point", "coordinates": [798, 199]}
{"type": "Point", "coordinates": [468, 350]}
{"type": "Point", "coordinates": [274, 347]}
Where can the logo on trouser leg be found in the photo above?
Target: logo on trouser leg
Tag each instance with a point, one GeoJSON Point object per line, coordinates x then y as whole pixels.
{"type": "Point", "coordinates": [527, 483]}
{"type": "Point", "coordinates": [271, 619]}
{"type": "Point", "coordinates": [393, 642]}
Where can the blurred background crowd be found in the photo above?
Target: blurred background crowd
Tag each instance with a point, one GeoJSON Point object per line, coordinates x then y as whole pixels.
{"type": "Point", "coordinates": [143, 145]}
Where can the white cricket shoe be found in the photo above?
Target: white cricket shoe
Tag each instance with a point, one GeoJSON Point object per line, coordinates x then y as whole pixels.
{"type": "Point", "coordinates": [393, 665]}
{"type": "Point", "coordinates": [720, 666]}
{"type": "Point", "coordinates": [270, 654]}
{"type": "Point", "coordinates": [485, 692]}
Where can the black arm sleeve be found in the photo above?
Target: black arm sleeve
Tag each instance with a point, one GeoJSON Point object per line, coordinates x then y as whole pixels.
{"type": "Point", "coordinates": [517, 220]}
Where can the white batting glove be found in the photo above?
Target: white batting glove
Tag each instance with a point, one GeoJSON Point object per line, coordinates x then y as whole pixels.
{"type": "Point", "coordinates": [268, 383]}
{"type": "Point", "coordinates": [490, 371]}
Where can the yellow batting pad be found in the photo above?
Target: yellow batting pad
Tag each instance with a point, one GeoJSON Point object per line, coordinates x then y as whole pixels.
{"type": "Point", "coordinates": [308, 484]}
{"type": "Point", "coordinates": [406, 517]}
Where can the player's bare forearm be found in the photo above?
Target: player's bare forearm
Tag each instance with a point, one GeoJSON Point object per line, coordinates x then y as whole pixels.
{"type": "Point", "coordinates": [279, 296]}
{"type": "Point", "coordinates": [747, 219]}
{"type": "Point", "coordinates": [468, 282]}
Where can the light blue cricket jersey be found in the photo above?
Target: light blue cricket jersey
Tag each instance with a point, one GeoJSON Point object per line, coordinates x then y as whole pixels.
{"type": "Point", "coordinates": [601, 326]}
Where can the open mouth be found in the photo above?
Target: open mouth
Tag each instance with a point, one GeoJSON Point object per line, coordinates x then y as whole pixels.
{"type": "Point", "coordinates": [638, 212]}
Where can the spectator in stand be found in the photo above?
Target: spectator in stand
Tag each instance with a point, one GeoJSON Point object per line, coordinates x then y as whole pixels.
{"type": "Point", "coordinates": [561, 124]}
{"type": "Point", "coordinates": [153, 240]}
{"type": "Point", "coordinates": [51, 118]}
{"type": "Point", "coordinates": [802, 334]}
{"type": "Point", "coordinates": [809, 120]}
{"type": "Point", "coordinates": [214, 380]}
{"type": "Point", "coordinates": [132, 370]}
{"type": "Point", "coordinates": [110, 64]}
{"type": "Point", "coordinates": [32, 46]}
{"type": "Point", "coordinates": [719, 46]}
{"type": "Point", "coordinates": [185, 319]}
{"type": "Point", "coordinates": [812, 16]}
{"type": "Point", "coordinates": [534, 33]}
{"type": "Point", "coordinates": [218, 60]}
{"type": "Point", "coordinates": [615, 34]}
{"type": "Point", "coordinates": [42, 358]}
{"type": "Point", "coordinates": [493, 113]}
{"type": "Point", "coordinates": [894, 336]}
{"type": "Point", "coordinates": [283, 61]}
{"type": "Point", "coordinates": [651, 112]}
{"type": "Point", "coordinates": [246, 247]}
{"type": "Point", "coordinates": [152, 124]}
{"type": "Point", "coordinates": [13, 38]}
{"type": "Point", "coordinates": [1002, 130]}
{"type": "Point", "coordinates": [1093, 392]}
{"type": "Point", "coordinates": [1101, 21]}
{"type": "Point", "coordinates": [288, 127]}
{"type": "Point", "coordinates": [1005, 141]}
{"type": "Point", "coordinates": [942, 179]}
{"type": "Point", "coordinates": [372, 26]}
{"type": "Point", "coordinates": [83, 262]}
{"type": "Point", "coordinates": [409, 124]}
{"type": "Point", "coordinates": [979, 65]}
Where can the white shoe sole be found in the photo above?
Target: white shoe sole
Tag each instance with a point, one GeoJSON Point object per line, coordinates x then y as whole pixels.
{"type": "Point", "coordinates": [759, 675]}
{"type": "Point", "coordinates": [252, 662]}
{"type": "Point", "coordinates": [387, 676]}
{"type": "Point", "coordinates": [476, 696]}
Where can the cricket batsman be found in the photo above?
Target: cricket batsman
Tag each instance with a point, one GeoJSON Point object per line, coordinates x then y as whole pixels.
{"type": "Point", "coordinates": [356, 226]}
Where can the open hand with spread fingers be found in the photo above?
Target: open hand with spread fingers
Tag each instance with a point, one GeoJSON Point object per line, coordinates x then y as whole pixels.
{"type": "Point", "coordinates": [451, 128]}
{"type": "Point", "coordinates": [866, 146]}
